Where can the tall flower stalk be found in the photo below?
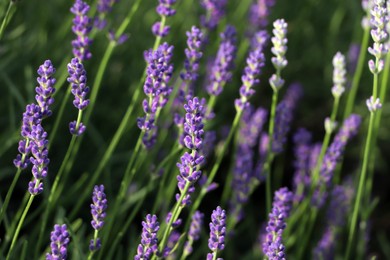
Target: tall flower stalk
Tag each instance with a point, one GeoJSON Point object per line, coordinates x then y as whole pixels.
{"type": "Point", "coordinates": [378, 50]}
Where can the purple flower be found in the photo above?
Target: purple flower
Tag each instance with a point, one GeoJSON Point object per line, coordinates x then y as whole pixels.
{"type": "Point", "coordinates": [103, 8]}
{"type": "Point", "coordinates": [194, 232]}
{"type": "Point", "coordinates": [164, 9]}
{"type": "Point", "coordinates": [215, 10]}
{"type": "Point", "coordinates": [39, 158]}
{"type": "Point", "coordinates": [217, 231]}
{"type": "Point", "coordinates": [373, 104]}
{"type": "Point", "coordinates": [325, 248]}
{"type": "Point", "coordinates": [159, 72]}
{"type": "Point", "coordinates": [193, 136]}
{"type": "Point", "coordinates": [273, 247]}
{"type": "Point", "coordinates": [284, 116]}
{"type": "Point", "coordinates": [259, 11]}
{"type": "Point", "coordinates": [339, 75]}
{"type": "Point", "coordinates": [59, 242]}
{"type": "Point", "coordinates": [314, 154]}
{"type": "Point", "coordinates": [149, 240]}
{"type": "Point", "coordinates": [255, 62]}
{"type": "Point", "coordinates": [81, 27]}
{"type": "Point", "coordinates": [45, 89]}
{"type": "Point", "coordinates": [175, 224]}
{"type": "Point", "coordinates": [173, 239]}
{"type": "Point", "coordinates": [263, 149]}
{"type": "Point", "coordinates": [279, 49]}
{"type": "Point", "coordinates": [353, 56]}
{"type": "Point", "coordinates": [221, 71]}
{"type": "Point", "coordinates": [98, 207]}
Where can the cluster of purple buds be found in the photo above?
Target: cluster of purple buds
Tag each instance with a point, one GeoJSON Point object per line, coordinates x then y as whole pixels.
{"type": "Point", "coordinates": [81, 27]}
{"type": "Point", "coordinates": [255, 62]}
{"type": "Point", "coordinates": [194, 232]}
{"type": "Point", "coordinates": [159, 72]}
{"type": "Point", "coordinates": [59, 242]}
{"type": "Point", "coordinates": [259, 12]}
{"type": "Point", "coordinates": [193, 140]}
{"type": "Point", "coordinates": [215, 10]}
{"type": "Point", "coordinates": [333, 155]}
{"type": "Point", "coordinates": [221, 71]}
{"type": "Point", "coordinates": [217, 232]}
{"type": "Point", "coordinates": [45, 89]}
{"type": "Point", "coordinates": [273, 247]}
{"type": "Point", "coordinates": [339, 75]}
{"type": "Point", "coordinates": [149, 240]}
{"type": "Point", "coordinates": [373, 104]}
{"type": "Point", "coordinates": [284, 116]}
{"type": "Point", "coordinates": [78, 81]}
{"type": "Point", "coordinates": [98, 212]}
{"type": "Point", "coordinates": [103, 8]}
{"type": "Point", "coordinates": [279, 49]}
{"type": "Point", "coordinates": [325, 248]}
{"type": "Point", "coordinates": [164, 9]}
{"type": "Point", "coordinates": [173, 239]}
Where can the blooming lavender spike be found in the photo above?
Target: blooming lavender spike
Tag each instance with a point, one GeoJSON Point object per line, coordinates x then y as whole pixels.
{"type": "Point", "coordinates": [194, 232]}
{"type": "Point", "coordinates": [339, 75]}
{"type": "Point", "coordinates": [81, 27]}
{"type": "Point", "coordinates": [379, 35]}
{"type": "Point", "coordinates": [39, 158]}
{"type": "Point", "coordinates": [251, 126]}
{"type": "Point", "coordinates": [221, 71]}
{"type": "Point", "coordinates": [190, 163]}
{"type": "Point", "coordinates": [217, 231]}
{"type": "Point", "coordinates": [98, 211]}
{"type": "Point", "coordinates": [279, 49]}
{"type": "Point", "coordinates": [159, 72]}
{"type": "Point", "coordinates": [149, 240]}
{"type": "Point", "coordinates": [273, 247]}
{"type": "Point", "coordinates": [215, 10]}
{"type": "Point", "coordinates": [45, 89]}
{"type": "Point", "coordinates": [259, 11]}
{"type": "Point", "coordinates": [59, 242]}
{"type": "Point", "coordinates": [103, 8]}
{"type": "Point", "coordinates": [255, 62]}
{"type": "Point", "coordinates": [164, 9]}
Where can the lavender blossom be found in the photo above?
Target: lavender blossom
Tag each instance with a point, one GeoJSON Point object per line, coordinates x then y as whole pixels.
{"type": "Point", "coordinates": [173, 239]}
{"type": "Point", "coordinates": [255, 62]}
{"type": "Point", "coordinates": [325, 249]}
{"type": "Point", "coordinates": [164, 9]}
{"type": "Point", "coordinates": [215, 10]}
{"type": "Point", "coordinates": [81, 27]}
{"type": "Point", "coordinates": [159, 72]}
{"type": "Point", "coordinates": [273, 247]}
{"type": "Point", "coordinates": [149, 241]}
{"type": "Point", "coordinates": [194, 232]}
{"type": "Point", "coordinates": [259, 12]}
{"type": "Point", "coordinates": [59, 242]}
{"type": "Point", "coordinates": [217, 232]}
{"type": "Point", "coordinates": [98, 211]}
{"type": "Point", "coordinates": [103, 8]}
{"type": "Point", "coordinates": [314, 154]}
{"type": "Point", "coordinates": [367, 6]}
{"type": "Point", "coordinates": [353, 56]}
{"type": "Point", "coordinates": [39, 158]}
{"type": "Point", "coordinates": [373, 104]}
{"type": "Point", "coordinates": [221, 71]}
{"type": "Point", "coordinates": [279, 49]}
{"type": "Point", "coordinates": [284, 116]}
{"type": "Point", "coordinates": [263, 149]}
{"type": "Point", "coordinates": [78, 81]}
{"type": "Point", "coordinates": [45, 89]}
{"type": "Point", "coordinates": [339, 75]}
{"type": "Point", "coordinates": [190, 163]}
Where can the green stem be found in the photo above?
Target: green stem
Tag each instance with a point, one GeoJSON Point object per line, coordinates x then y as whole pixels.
{"type": "Point", "coordinates": [357, 75]}
{"type": "Point", "coordinates": [20, 224]}
{"type": "Point", "coordinates": [9, 194]}
{"type": "Point", "coordinates": [307, 233]}
{"type": "Point", "coordinates": [95, 236]}
{"type": "Point", "coordinates": [215, 255]}
{"type": "Point", "coordinates": [361, 185]}
{"type": "Point", "coordinates": [5, 19]}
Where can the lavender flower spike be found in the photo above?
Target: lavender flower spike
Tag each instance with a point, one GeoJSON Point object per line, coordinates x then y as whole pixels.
{"type": "Point", "coordinates": [81, 27]}
{"type": "Point", "coordinates": [45, 89]}
{"type": "Point", "coordinates": [379, 35]}
{"type": "Point", "coordinates": [215, 10]}
{"type": "Point", "coordinates": [164, 9]}
{"type": "Point", "coordinates": [279, 49]}
{"type": "Point", "coordinates": [339, 75]}
{"type": "Point", "coordinates": [255, 62]}
{"type": "Point", "coordinates": [78, 80]}
{"type": "Point", "coordinates": [149, 240]}
{"type": "Point", "coordinates": [39, 158]}
{"type": "Point", "coordinates": [98, 211]}
{"type": "Point", "coordinates": [103, 8]}
{"type": "Point", "coordinates": [273, 247]}
{"type": "Point", "coordinates": [194, 232]}
{"type": "Point", "coordinates": [217, 232]}
{"type": "Point", "coordinates": [221, 71]}
{"type": "Point", "coordinates": [259, 11]}
{"type": "Point", "coordinates": [59, 242]}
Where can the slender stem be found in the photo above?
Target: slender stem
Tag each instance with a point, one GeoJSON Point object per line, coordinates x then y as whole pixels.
{"type": "Point", "coordinates": [59, 117]}
{"type": "Point", "coordinates": [5, 19]}
{"type": "Point", "coordinates": [270, 154]}
{"type": "Point", "coordinates": [361, 185]}
{"type": "Point", "coordinates": [215, 255]}
{"type": "Point", "coordinates": [9, 194]}
{"type": "Point", "coordinates": [95, 236]}
{"type": "Point", "coordinates": [20, 224]}
{"type": "Point", "coordinates": [358, 74]}
{"type": "Point", "coordinates": [307, 231]}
